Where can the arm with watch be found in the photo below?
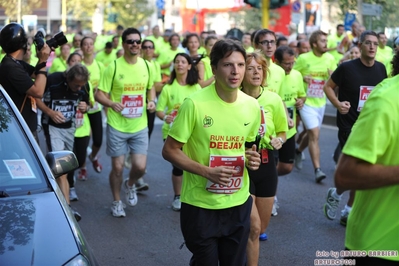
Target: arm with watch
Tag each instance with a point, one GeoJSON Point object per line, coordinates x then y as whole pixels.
{"type": "Point", "coordinates": [278, 141]}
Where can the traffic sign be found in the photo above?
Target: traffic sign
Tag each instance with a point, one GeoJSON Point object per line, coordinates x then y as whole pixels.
{"type": "Point", "coordinates": [349, 19]}
{"type": "Point", "coordinates": [296, 6]}
{"type": "Point", "coordinates": [371, 10]}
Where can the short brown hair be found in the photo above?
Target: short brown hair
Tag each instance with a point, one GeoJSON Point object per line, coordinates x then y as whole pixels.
{"type": "Point", "coordinates": [315, 35]}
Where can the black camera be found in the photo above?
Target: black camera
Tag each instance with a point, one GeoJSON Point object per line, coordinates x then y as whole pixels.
{"type": "Point", "coordinates": [57, 40]}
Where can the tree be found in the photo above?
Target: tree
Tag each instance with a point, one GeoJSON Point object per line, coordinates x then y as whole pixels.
{"type": "Point", "coordinates": [11, 10]}
{"type": "Point", "coordinates": [130, 13]}
{"type": "Point", "coordinates": [247, 20]}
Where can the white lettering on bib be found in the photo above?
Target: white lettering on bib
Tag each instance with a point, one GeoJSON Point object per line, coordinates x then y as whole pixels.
{"type": "Point", "coordinates": [363, 95]}
{"type": "Point", "coordinates": [66, 107]}
{"type": "Point", "coordinates": [236, 180]}
{"type": "Point", "coordinates": [315, 89]}
{"type": "Point", "coordinates": [133, 106]}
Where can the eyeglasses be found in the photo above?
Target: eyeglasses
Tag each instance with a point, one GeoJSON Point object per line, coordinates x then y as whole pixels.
{"type": "Point", "coordinates": [288, 63]}
{"type": "Point", "coordinates": [369, 43]}
{"type": "Point", "coordinates": [145, 47]}
{"type": "Point", "coordinates": [266, 43]}
{"type": "Point", "coordinates": [133, 41]}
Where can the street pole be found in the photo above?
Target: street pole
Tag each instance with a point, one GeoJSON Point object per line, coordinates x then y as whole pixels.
{"type": "Point", "coordinates": [63, 16]}
{"type": "Point", "coordinates": [19, 12]}
{"type": "Point", "coordinates": [265, 14]}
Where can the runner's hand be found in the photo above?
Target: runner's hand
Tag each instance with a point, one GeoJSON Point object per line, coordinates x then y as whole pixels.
{"type": "Point", "coordinates": [221, 175]}
{"type": "Point", "coordinates": [117, 107]}
{"type": "Point", "coordinates": [344, 107]}
{"type": "Point", "coordinates": [253, 158]}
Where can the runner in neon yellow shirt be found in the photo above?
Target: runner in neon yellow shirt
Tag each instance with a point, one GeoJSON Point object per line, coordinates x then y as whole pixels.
{"type": "Point", "coordinates": [59, 63]}
{"type": "Point", "coordinates": [165, 59]}
{"type": "Point", "coordinates": [315, 66]}
{"type": "Point", "coordinates": [209, 42]}
{"type": "Point", "coordinates": [216, 128]}
{"type": "Point", "coordinates": [265, 40]}
{"type": "Point", "coordinates": [106, 56]}
{"type": "Point", "coordinates": [183, 82]}
{"type": "Point", "coordinates": [127, 90]}
{"type": "Point", "coordinates": [272, 131]}
{"type": "Point", "coordinates": [294, 96]}
{"type": "Point", "coordinates": [246, 42]}
{"type": "Point", "coordinates": [96, 70]}
{"type": "Point", "coordinates": [370, 165]}
{"type": "Point", "coordinates": [384, 52]}
{"type": "Point", "coordinates": [157, 40]}
{"type": "Point", "coordinates": [334, 43]}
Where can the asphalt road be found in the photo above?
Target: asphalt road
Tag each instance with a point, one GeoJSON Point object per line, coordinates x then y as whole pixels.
{"type": "Point", "coordinates": [150, 233]}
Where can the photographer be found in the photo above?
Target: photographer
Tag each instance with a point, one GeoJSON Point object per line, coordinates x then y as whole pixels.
{"type": "Point", "coordinates": [16, 75]}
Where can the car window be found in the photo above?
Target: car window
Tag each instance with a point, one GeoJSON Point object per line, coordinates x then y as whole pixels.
{"type": "Point", "coordinates": [20, 170]}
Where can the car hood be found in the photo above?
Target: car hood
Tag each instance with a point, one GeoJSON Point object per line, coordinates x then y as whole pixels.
{"type": "Point", "coordinates": [34, 230]}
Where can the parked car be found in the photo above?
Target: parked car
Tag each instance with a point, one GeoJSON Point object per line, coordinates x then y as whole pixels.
{"type": "Point", "coordinates": [37, 226]}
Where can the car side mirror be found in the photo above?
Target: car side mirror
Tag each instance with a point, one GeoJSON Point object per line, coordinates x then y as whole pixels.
{"type": "Point", "coordinates": [61, 162]}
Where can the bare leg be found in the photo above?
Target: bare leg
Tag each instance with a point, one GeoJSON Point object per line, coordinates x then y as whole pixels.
{"type": "Point", "coordinates": [314, 149]}
{"type": "Point", "coordinates": [264, 206]}
{"type": "Point", "coordinates": [115, 176]}
{"type": "Point", "coordinates": [139, 162]}
{"type": "Point", "coordinates": [253, 240]}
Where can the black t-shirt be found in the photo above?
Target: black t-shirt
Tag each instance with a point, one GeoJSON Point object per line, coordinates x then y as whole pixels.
{"type": "Point", "coordinates": [15, 79]}
{"type": "Point", "coordinates": [353, 79]}
{"type": "Point", "coordinates": [59, 97]}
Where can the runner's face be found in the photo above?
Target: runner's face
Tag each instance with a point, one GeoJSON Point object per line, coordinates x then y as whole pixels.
{"type": "Point", "coordinates": [230, 71]}
{"type": "Point", "coordinates": [368, 48]}
{"type": "Point", "coordinates": [175, 41]}
{"type": "Point", "coordinates": [209, 46]}
{"type": "Point", "coordinates": [267, 44]}
{"type": "Point", "coordinates": [287, 63]}
{"type": "Point", "coordinates": [76, 84]}
{"type": "Point", "coordinates": [382, 40]}
{"type": "Point", "coordinates": [181, 65]}
{"type": "Point", "coordinates": [253, 74]}
{"type": "Point", "coordinates": [75, 60]}
{"type": "Point", "coordinates": [65, 50]}
{"type": "Point", "coordinates": [354, 53]}
{"type": "Point", "coordinates": [88, 46]}
{"type": "Point", "coordinates": [246, 40]}
{"type": "Point", "coordinates": [147, 49]}
{"type": "Point", "coordinates": [193, 44]}
{"type": "Point", "coordinates": [321, 44]}
{"type": "Point", "coordinates": [134, 48]}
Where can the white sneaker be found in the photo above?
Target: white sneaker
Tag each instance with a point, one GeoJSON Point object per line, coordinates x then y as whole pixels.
{"type": "Point", "coordinates": [72, 194]}
{"type": "Point", "coordinates": [131, 195]}
{"type": "Point", "coordinates": [176, 204]}
{"type": "Point", "coordinates": [303, 156]}
{"type": "Point", "coordinates": [141, 185]}
{"type": "Point", "coordinates": [298, 160]}
{"type": "Point", "coordinates": [275, 207]}
{"type": "Point", "coordinates": [117, 209]}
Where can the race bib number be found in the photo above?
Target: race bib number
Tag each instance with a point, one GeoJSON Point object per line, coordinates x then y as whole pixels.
{"type": "Point", "coordinates": [33, 103]}
{"type": "Point", "coordinates": [78, 119]}
{"type": "Point", "coordinates": [133, 106]}
{"type": "Point", "coordinates": [262, 128]}
{"type": "Point", "coordinates": [237, 162]}
{"type": "Point", "coordinates": [66, 107]}
{"type": "Point", "coordinates": [315, 89]}
{"type": "Point", "coordinates": [173, 114]}
{"type": "Point", "coordinates": [363, 95]}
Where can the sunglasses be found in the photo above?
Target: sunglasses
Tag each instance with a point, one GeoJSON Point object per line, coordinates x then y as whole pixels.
{"type": "Point", "coordinates": [145, 47]}
{"type": "Point", "coordinates": [133, 41]}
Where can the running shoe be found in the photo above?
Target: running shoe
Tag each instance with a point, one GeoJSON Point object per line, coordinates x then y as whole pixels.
{"type": "Point", "coordinates": [131, 195]}
{"type": "Point", "coordinates": [263, 237]}
{"type": "Point", "coordinates": [141, 185]}
{"type": "Point", "coordinates": [275, 207]}
{"type": "Point", "coordinates": [117, 209]}
{"type": "Point", "coordinates": [97, 166]}
{"type": "Point", "coordinates": [298, 160]}
{"type": "Point", "coordinates": [331, 205]}
{"type": "Point", "coordinates": [72, 194]}
{"type": "Point", "coordinates": [176, 204]}
{"type": "Point", "coordinates": [344, 217]}
{"type": "Point", "coordinates": [319, 175]}
{"type": "Point", "coordinates": [82, 174]}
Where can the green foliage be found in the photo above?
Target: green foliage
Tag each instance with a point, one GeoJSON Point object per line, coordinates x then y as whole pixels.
{"type": "Point", "coordinates": [247, 20]}
{"type": "Point", "coordinates": [11, 10]}
{"type": "Point", "coordinates": [130, 13]}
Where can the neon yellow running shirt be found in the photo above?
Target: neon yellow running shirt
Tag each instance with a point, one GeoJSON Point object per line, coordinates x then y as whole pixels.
{"type": "Point", "coordinates": [317, 68]}
{"type": "Point", "coordinates": [129, 87]}
{"type": "Point", "coordinates": [214, 133]}
{"type": "Point", "coordinates": [373, 223]}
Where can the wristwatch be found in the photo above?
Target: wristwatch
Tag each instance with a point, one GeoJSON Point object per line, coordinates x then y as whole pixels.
{"type": "Point", "coordinates": [281, 140]}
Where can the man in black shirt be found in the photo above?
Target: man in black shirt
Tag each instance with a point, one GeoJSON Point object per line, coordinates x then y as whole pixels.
{"type": "Point", "coordinates": [355, 79]}
{"type": "Point", "coordinates": [16, 75]}
{"type": "Point", "coordinates": [65, 99]}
